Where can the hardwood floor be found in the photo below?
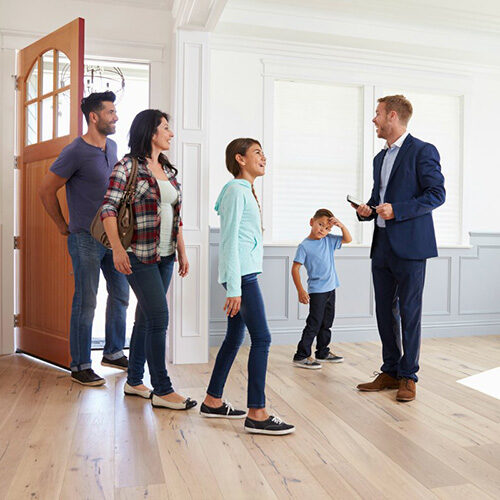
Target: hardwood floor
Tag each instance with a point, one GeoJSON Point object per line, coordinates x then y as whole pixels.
{"type": "Point", "coordinates": [61, 440]}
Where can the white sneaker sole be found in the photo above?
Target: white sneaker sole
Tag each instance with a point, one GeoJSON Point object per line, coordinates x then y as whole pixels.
{"type": "Point", "coordinates": [122, 368]}
{"type": "Point", "coordinates": [97, 383]}
{"type": "Point", "coordinates": [269, 433]}
{"type": "Point", "coordinates": [307, 367]}
{"type": "Point", "coordinates": [330, 360]}
{"type": "Point", "coordinates": [213, 415]}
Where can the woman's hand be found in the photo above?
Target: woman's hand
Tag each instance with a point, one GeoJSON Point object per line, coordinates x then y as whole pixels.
{"type": "Point", "coordinates": [121, 260]}
{"type": "Point", "coordinates": [232, 306]}
{"type": "Point", "coordinates": [183, 264]}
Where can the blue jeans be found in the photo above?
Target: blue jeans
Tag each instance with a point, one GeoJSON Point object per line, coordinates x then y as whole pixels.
{"type": "Point", "coordinates": [88, 258]}
{"type": "Point", "coordinates": [253, 316]}
{"type": "Point", "coordinates": [150, 284]}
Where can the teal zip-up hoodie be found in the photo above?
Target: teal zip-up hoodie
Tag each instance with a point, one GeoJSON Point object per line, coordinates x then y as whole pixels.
{"type": "Point", "coordinates": [241, 249]}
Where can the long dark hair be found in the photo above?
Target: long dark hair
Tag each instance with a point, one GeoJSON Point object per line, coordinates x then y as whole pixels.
{"type": "Point", "coordinates": [141, 134]}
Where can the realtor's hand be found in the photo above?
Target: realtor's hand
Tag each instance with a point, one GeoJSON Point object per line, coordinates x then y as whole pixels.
{"type": "Point", "coordinates": [385, 211]}
{"type": "Point", "coordinates": [363, 210]}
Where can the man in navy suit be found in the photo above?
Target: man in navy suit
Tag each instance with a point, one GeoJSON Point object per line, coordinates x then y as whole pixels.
{"type": "Point", "coordinates": [407, 187]}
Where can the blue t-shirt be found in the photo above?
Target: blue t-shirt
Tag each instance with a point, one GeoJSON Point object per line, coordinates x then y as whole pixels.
{"type": "Point", "coordinates": [87, 169]}
{"type": "Point", "coordinates": [318, 258]}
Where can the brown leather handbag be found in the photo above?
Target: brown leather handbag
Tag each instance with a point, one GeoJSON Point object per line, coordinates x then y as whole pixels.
{"type": "Point", "coordinates": [125, 220]}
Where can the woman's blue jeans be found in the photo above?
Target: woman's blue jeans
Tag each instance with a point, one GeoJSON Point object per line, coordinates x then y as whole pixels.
{"type": "Point", "coordinates": [253, 316]}
{"type": "Point", "coordinates": [150, 284]}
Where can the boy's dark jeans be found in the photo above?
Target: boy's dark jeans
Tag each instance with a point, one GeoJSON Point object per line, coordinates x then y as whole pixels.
{"type": "Point", "coordinates": [318, 324]}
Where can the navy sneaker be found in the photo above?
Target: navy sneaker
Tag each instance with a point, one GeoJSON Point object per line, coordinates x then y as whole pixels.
{"type": "Point", "coordinates": [273, 426]}
{"type": "Point", "coordinates": [120, 363]}
{"type": "Point", "coordinates": [331, 358]}
{"type": "Point", "coordinates": [87, 377]}
{"type": "Point", "coordinates": [226, 410]}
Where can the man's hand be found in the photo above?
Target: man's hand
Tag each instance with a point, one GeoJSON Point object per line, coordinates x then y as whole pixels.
{"type": "Point", "coordinates": [303, 297]}
{"type": "Point", "coordinates": [64, 229]}
{"type": "Point", "coordinates": [385, 211]}
{"type": "Point", "coordinates": [363, 210]}
{"type": "Point", "coordinates": [232, 306]}
{"type": "Point", "coordinates": [121, 261]}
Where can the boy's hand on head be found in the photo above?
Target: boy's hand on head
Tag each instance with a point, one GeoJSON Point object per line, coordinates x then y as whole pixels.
{"type": "Point", "coordinates": [335, 222]}
{"type": "Point", "coordinates": [303, 297]}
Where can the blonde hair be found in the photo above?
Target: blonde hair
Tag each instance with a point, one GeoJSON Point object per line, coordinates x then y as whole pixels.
{"type": "Point", "coordinates": [400, 104]}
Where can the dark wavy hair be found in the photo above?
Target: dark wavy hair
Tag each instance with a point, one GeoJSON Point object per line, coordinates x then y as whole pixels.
{"type": "Point", "coordinates": [141, 134]}
{"type": "Point", "coordinates": [93, 102]}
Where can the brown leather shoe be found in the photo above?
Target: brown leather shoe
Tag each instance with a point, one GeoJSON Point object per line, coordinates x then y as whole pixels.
{"type": "Point", "coordinates": [383, 381]}
{"type": "Point", "coordinates": [407, 390]}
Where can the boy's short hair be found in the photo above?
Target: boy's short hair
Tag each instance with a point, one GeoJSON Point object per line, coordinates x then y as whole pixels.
{"type": "Point", "coordinates": [93, 102]}
{"type": "Point", "coordinates": [322, 212]}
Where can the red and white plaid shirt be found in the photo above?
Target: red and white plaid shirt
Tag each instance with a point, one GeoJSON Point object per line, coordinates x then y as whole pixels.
{"type": "Point", "coordinates": [146, 205]}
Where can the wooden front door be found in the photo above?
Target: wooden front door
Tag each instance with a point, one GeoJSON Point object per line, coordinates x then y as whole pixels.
{"type": "Point", "coordinates": [51, 87]}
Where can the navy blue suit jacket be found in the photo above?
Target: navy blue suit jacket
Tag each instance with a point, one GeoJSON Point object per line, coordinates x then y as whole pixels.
{"type": "Point", "coordinates": [415, 189]}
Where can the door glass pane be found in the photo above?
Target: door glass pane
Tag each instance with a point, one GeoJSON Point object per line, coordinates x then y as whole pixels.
{"type": "Point", "coordinates": [48, 72]}
{"type": "Point", "coordinates": [31, 123]}
{"type": "Point", "coordinates": [63, 113]}
{"type": "Point", "coordinates": [47, 118]}
{"type": "Point", "coordinates": [32, 83]}
{"type": "Point", "coordinates": [63, 69]}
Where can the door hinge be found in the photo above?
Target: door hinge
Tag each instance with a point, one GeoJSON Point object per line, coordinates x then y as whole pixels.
{"type": "Point", "coordinates": [17, 320]}
{"type": "Point", "coordinates": [17, 242]}
{"type": "Point", "coordinates": [17, 160]}
{"type": "Point", "coordinates": [17, 80]}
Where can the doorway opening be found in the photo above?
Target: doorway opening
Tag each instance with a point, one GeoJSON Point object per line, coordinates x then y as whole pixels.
{"type": "Point", "coordinates": [131, 84]}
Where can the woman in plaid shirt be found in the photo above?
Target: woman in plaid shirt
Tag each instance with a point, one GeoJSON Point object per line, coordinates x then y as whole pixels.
{"type": "Point", "coordinates": [148, 263]}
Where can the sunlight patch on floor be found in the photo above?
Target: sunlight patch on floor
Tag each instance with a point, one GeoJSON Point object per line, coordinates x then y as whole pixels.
{"type": "Point", "coordinates": [487, 382]}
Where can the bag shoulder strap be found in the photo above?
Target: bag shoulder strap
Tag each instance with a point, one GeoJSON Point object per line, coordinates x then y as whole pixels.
{"type": "Point", "coordinates": [131, 183]}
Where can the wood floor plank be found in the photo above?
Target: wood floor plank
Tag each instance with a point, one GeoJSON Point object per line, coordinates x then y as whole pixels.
{"type": "Point", "coordinates": [61, 440]}
{"type": "Point", "coordinates": [461, 492]}
{"type": "Point", "coordinates": [25, 413]}
{"type": "Point", "coordinates": [137, 456]}
{"type": "Point", "coordinates": [372, 464]}
{"type": "Point", "coordinates": [41, 469]}
{"type": "Point", "coordinates": [90, 467]}
{"type": "Point", "coordinates": [190, 471]}
{"type": "Point", "coordinates": [490, 453]}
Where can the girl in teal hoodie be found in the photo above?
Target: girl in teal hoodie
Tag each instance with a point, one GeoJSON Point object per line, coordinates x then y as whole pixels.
{"type": "Point", "coordinates": [240, 261]}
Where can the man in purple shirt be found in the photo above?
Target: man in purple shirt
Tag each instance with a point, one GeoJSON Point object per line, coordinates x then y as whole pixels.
{"type": "Point", "coordinates": [84, 167]}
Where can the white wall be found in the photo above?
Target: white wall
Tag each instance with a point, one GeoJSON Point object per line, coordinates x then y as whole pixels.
{"type": "Point", "coordinates": [125, 31]}
{"type": "Point", "coordinates": [237, 105]}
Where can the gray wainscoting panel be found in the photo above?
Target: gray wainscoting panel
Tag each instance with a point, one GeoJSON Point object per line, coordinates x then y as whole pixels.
{"type": "Point", "coordinates": [461, 296]}
{"type": "Point", "coordinates": [480, 282]}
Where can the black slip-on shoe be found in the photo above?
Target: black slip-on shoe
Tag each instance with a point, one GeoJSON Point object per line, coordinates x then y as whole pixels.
{"type": "Point", "coordinates": [87, 377]}
{"type": "Point", "coordinates": [272, 426]}
{"type": "Point", "coordinates": [120, 363]}
{"type": "Point", "coordinates": [226, 410]}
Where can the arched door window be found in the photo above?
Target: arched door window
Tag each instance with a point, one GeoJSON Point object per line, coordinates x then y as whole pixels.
{"type": "Point", "coordinates": [47, 113]}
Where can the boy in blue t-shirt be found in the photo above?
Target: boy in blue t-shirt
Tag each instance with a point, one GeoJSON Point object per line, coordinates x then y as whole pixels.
{"type": "Point", "coordinates": [316, 252]}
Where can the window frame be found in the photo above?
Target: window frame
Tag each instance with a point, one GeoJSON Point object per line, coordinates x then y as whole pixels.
{"type": "Point", "coordinates": [373, 81]}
